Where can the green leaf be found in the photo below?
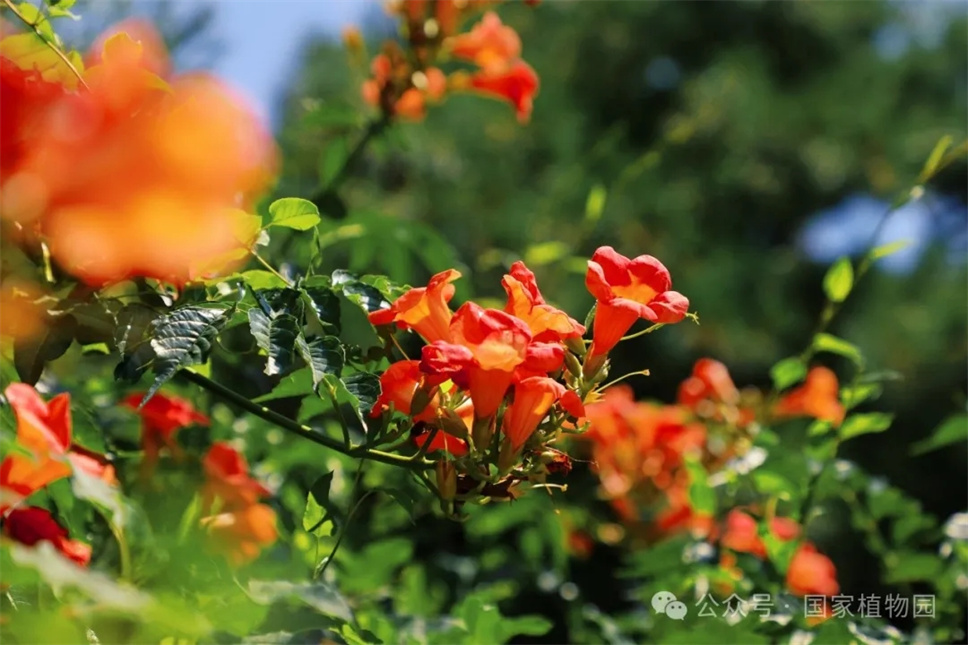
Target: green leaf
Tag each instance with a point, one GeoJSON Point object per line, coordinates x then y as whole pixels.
{"type": "Point", "coordinates": [702, 497]}
{"type": "Point", "coordinates": [365, 296]}
{"type": "Point", "coordinates": [854, 395]}
{"type": "Point", "coordinates": [332, 160]}
{"type": "Point", "coordinates": [545, 253]}
{"type": "Point", "coordinates": [324, 356]}
{"type": "Point", "coordinates": [910, 566]}
{"type": "Point", "coordinates": [525, 626]}
{"type": "Point", "coordinates": [277, 337]}
{"type": "Point", "coordinates": [829, 343]}
{"type": "Point", "coordinates": [839, 280]}
{"type": "Point", "coordinates": [860, 424]}
{"type": "Point", "coordinates": [133, 322]}
{"type": "Point", "coordinates": [890, 248]}
{"type": "Point", "coordinates": [320, 596]}
{"type": "Point", "coordinates": [360, 391]}
{"type": "Point", "coordinates": [325, 304]}
{"type": "Point", "coordinates": [787, 372]}
{"type": "Point", "coordinates": [30, 355]}
{"type": "Point", "coordinates": [952, 430]}
{"type": "Point", "coordinates": [294, 213]}
{"type": "Point", "coordinates": [182, 338]}
{"type": "Point", "coordinates": [595, 204]}
{"type": "Point", "coordinates": [933, 162]}
{"type": "Point", "coordinates": [318, 507]}
{"type": "Point", "coordinates": [297, 384]}
{"type": "Point", "coordinates": [259, 280]}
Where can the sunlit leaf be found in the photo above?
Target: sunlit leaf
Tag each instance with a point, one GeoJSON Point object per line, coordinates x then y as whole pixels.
{"type": "Point", "coordinates": [953, 430]}
{"type": "Point", "coordinates": [277, 337]}
{"type": "Point", "coordinates": [787, 372]}
{"type": "Point", "coordinates": [294, 213]}
{"type": "Point", "coordinates": [824, 342]}
{"type": "Point", "coordinates": [860, 424]}
{"type": "Point", "coordinates": [183, 338]}
{"type": "Point", "coordinates": [839, 280]}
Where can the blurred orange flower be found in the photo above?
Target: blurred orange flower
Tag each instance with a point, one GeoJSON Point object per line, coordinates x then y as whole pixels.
{"type": "Point", "coordinates": [241, 526]}
{"type": "Point", "coordinates": [44, 430]}
{"type": "Point", "coordinates": [32, 525]}
{"type": "Point", "coordinates": [812, 573]}
{"type": "Point", "coordinates": [161, 417]}
{"type": "Point", "coordinates": [818, 397]}
{"type": "Point", "coordinates": [244, 532]}
{"type": "Point", "coordinates": [139, 175]}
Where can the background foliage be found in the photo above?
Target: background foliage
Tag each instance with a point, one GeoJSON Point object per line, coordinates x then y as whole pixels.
{"type": "Point", "coordinates": [706, 134]}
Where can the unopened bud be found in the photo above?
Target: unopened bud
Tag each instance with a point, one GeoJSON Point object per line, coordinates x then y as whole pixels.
{"type": "Point", "coordinates": [571, 362]}
{"type": "Point", "coordinates": [593, 366]}
{"type": "Point", "coordinates": [446, 479]}
{"type": "Point", "coordinates": [507, 457]}
{"type": "Point", "coordinates": [421, 399]}
{"type": "Point", "coordinates": [483, 432]}
{"type": "Point", "coordinates": [451, 423]}
{"type": "Point", "coordinates": [576, 345]}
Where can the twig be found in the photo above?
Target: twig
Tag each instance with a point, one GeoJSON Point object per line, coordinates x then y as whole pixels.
{"type": "Point", "coordinates": [53, 47]}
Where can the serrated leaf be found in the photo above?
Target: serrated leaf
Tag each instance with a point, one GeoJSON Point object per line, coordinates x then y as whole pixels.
{"type": "Point", "coordinates": [323, 355]}
{"type": "Point", "coordinates": [294, 213]}
{"type": "Point", "coordinates": [953, 430]}
{"type": "Point", "coordinates": [787, 372]}
{"type": "Point", "coordinates": [839, 280]}
{"type": "Point", "coordinates": [31, 354]}
{"type": "Point", "coordinates": [360, 391]}
{"type": "Point", "coordinates": [829, 343]}
{"type": "Point", "coordinates": [278, 301]}
{"type": "Point", "coordinates": [182, 338]}
{"type": "Point", "coordinates": [325, 304]}
{"type": "Point", "coordinates": [860, 424]}
{"type": "Point", "coordinates": [365, 296]}
{"type": "Point", "coordinates": [276, 336]}
{"type": "Point", "coordinates": [133, 322]}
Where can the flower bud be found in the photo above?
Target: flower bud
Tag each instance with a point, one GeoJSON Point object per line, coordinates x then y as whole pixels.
{"type": "Point", "coordinates": [446, 479]}
{"type": "Point", "coordinates": [571, 362]}
{"type": "Point", "coordinates": [576, 345]}
{"type": "Point", "coordinates": [483, 432]}
{"type": "Point", "coordinates": [508, 456]}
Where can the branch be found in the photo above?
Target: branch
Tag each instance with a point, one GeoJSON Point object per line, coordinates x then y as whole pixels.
{"type": "Point", "coordinates": [53, 47]}
{"type": "Point", "coordinates": [304, 431]}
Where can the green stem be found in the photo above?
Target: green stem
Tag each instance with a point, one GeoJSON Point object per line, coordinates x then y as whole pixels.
{"type": "Point", "coordinates": [324, 564]}
{"type": "Point", "coordinates": [289, 425]}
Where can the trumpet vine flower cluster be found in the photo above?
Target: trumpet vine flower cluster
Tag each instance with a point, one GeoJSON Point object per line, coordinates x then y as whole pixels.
{"type": "Point", "coordinates": [403, 81]}
{"type": "Point", "coordinates": [495, 389]}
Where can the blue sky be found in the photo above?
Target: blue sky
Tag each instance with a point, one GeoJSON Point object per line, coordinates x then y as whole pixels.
{"type": "Point", "coordinates": [262, 41]}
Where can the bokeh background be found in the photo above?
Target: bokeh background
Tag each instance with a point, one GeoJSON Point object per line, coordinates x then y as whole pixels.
{"type": "Point", "coordinates": [746, 144]}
